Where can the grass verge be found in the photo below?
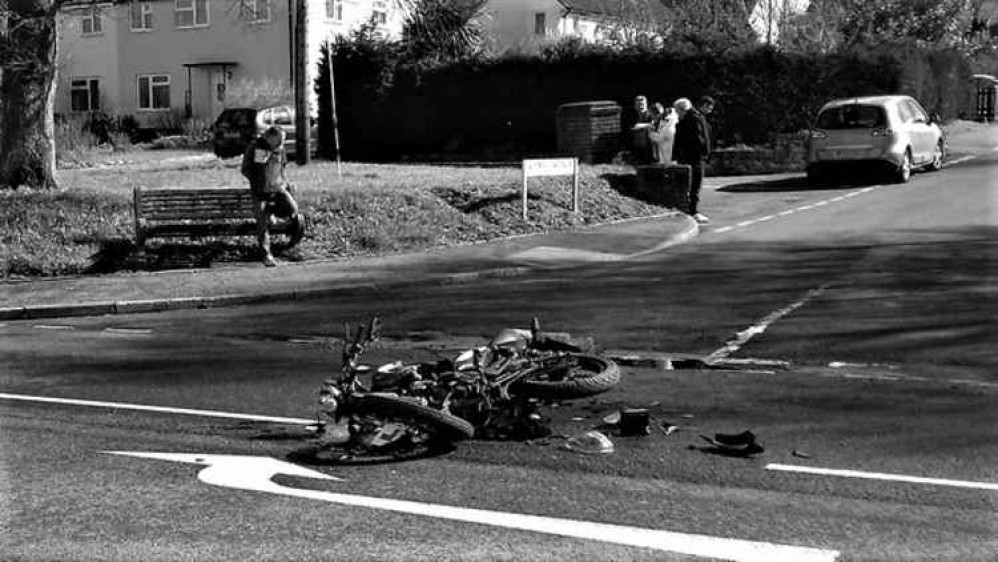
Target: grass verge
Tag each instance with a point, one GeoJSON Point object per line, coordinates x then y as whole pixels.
{"type": "Point", "coordinates": [86, 227]}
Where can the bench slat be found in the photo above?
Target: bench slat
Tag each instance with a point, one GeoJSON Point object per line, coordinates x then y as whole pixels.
{"type": "Point", "coordinates": [196, 212]}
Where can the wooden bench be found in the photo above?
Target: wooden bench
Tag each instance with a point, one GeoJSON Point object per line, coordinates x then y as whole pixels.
{"type": "Point", "coordinates": [196, 212]}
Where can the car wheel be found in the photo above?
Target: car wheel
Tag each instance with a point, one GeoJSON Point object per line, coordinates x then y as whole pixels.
{"type": "Point", "coordinates": [903, 172]}
{"type": "Point", "coordinates": [938, 156]}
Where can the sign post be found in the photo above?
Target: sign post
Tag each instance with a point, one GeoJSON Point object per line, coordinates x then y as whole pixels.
{"type": "Point", "coordinates": [543, 167]}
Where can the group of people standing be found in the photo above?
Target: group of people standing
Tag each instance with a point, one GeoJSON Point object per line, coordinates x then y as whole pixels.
{"type": "Point", "coordinates": [678, 134]}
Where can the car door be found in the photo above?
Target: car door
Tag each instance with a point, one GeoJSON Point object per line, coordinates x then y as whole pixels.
{"type": "Point", "coordinates": [923, 136]}
{"type": "Point", "coordinates": [931, 134]}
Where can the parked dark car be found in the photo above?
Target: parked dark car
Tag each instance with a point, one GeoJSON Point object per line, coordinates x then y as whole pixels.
{"type": "Point", "coordinates": [236, 127]}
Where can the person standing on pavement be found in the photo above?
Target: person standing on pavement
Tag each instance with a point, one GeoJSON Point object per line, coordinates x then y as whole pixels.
{"type": "Point", "coordinates": [263, 165]}
{"type": "Point", "coordinates": [692, 146]}
{"type": "Point", "coordinates": [662, 133]}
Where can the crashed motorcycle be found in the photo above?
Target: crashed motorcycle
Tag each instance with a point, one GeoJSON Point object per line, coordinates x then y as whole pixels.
{"type": "Point", "coordinates": [408, 410]}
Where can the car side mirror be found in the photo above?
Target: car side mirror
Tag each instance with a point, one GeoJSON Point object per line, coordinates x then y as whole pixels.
{"type": "Point", "coordinates": [934, 118]}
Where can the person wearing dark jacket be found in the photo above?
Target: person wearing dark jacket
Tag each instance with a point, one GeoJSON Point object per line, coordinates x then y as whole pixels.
{"type": "Point", "coordinates": [692, 146]}
{"type": "Point", "coordinates": [263, 165]}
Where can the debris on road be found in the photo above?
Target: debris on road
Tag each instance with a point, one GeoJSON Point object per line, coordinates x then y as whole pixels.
{"type": "Point", "coordinates": [668, 428]}
{"type": "Point", "coordinates": [742, 444]}
{"type": "Point", "coordinates": [634, 421]}
{"type": "Point", "coordinates": [800, 454]}
{"type": "Point", "coordinates": [590, 443]}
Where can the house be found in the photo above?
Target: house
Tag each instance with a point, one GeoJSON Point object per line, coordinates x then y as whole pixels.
{"type": "Point", "coordinates": [526, 24]}
{"type": "Point", "coordinates": [163, 61]}
{"type": "Point", "coordinates": [767, 17]}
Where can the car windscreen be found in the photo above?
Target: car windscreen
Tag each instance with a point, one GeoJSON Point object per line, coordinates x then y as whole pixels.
{"type": "Point", "coordinates": [239, 118]}
{"type": "Point", "coordinates": [852, 116]}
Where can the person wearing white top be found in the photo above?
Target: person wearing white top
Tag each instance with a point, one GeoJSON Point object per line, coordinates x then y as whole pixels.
{"type": "Point", "coordinates": [662, 132]}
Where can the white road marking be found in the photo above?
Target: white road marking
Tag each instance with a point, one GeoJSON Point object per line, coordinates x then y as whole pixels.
{"type": "Point", "coordinates": [723, 229]}
{"type": "Point", "coordinates": [743, 337]}
{"type": "Point", "coordinates": [52, 327]}
{"type": "Point", "coordinates": [745, 223]}
{"type": "Point", "coordinates": [256, 473]}
{"type": "Point", "coordinates": [785, 213]}
{"type": "Point", "coordinates": [882, 476]}
{"type": "Point", "coordinates": [158, 409]}
{"type": "Point", "coordinates": [137, 331]}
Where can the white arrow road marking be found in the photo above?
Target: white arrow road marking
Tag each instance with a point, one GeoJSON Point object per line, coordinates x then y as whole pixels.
{"type": "Point", "coordinates": [255, 473]}
{"type": "Point", "coordinates": [160, 409]}
{"type": "Point", "coordinates": [882, 476]}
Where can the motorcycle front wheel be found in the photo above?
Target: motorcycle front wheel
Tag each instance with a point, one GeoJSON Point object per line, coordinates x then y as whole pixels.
{"type": "Point", "coordinates": [567, 376]}
{"type": "Point", "coordinates": [388, 428]}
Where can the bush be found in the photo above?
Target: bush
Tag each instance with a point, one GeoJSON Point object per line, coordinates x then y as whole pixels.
{"type": "Point", "coordinates": [389, 109]}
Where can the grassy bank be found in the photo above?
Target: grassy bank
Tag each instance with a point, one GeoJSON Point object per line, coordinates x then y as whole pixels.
{"type": "Point", "coordinates": [86, 227]}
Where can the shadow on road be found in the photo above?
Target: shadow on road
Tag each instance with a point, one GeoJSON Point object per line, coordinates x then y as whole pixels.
{"type": "Point", "coordinates": [795, 184]}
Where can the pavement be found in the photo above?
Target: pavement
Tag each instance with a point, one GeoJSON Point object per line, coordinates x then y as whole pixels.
{"type": "Point", "coordinates": [241, 284]}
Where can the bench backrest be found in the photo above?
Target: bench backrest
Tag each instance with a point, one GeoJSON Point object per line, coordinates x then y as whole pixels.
{"type": "Point", "coordinates": [193, 204]}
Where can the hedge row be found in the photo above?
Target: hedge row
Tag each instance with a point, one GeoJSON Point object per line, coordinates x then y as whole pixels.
{"type": "Point", "coordinates": [505, 108]}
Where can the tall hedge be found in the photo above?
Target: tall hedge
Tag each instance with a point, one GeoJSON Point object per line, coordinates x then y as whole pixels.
{"type": "Point", "coordinates": [505, 107]}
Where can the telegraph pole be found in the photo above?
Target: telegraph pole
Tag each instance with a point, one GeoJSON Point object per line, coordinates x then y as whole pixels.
{"type": "Point", "coordinates": [302, 137]}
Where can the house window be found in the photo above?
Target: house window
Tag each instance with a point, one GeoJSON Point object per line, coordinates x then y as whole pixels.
{"type": "Point", "coordinates": [92, 22]}
{"type": "Point", "coordinates": [256, 11]}
{"type": "Point", "coordinates": [380, 12]}
{"type": "Point", "coordinates": [84, 94]}
{"type": "Point", "coordinates": [154, 91]}
{"type": "Point", "coordinates": [540, 25]}
{"type": "Point", "coordinates": [191, 13]}
{"type": "Point", "coordinates": [334, 10]}
{"type": "Point", "coordinates": [140, 16]}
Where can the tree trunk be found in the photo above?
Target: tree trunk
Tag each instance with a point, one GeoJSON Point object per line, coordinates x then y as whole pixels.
{"type": "Point", "coordinates": [27, 101]}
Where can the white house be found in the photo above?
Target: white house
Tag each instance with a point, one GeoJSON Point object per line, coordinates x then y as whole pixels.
{"type": "Point", "coordinates": [525, 24]}
{"type": "Point", "coordinates": [165, 60]}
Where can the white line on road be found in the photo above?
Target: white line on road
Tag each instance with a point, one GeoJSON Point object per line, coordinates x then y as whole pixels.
{"type": "Point", "coordinates": [741, 338]}
{"type": "Point", "coordinates": [138, 331]}
{"type": "Point", "coordinates": [159, 409]}
{"type": "Point", "coordinates": [255, 473]}
{"type": "Point", "coordinates": [52, 327]}
{"type": "Point", "coordinates": [882, 476]}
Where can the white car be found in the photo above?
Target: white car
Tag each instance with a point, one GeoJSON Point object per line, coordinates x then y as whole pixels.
{"type": "Point", "coordinates": [890, 132]}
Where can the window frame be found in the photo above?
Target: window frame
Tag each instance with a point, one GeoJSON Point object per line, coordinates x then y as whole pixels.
{"type": "Point", "coordinates": [91, 86]}
{"type": "Point", "coordinates": [379, 12]}
{"type": "Point", "coordinates": [93, 16]}
{"type": "Point", "coordinates": [540, 24]}
{"type": "Point", "coordinates": [150, 91]}
{"type": "Point", "coordinates": [193, 10]}
{"type": "Point", "coordinates": [252, 10]}
{"type": "Point", "coordinates": [144, 13]}
{"type": "Point", "coordinates": [337, 10]}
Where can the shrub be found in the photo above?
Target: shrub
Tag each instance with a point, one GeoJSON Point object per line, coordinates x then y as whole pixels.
{"type": "Point", "coordinates": [389, 108]}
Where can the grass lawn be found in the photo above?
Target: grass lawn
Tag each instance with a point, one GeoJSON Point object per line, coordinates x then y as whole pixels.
{"type": "Point", "coordinates": [86, 226]}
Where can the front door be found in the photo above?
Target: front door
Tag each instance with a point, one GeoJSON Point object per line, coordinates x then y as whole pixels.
{"type": "Point", "coordinates": [218, 91]}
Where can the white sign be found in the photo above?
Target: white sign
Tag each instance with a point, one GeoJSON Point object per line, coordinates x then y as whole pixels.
{"type": "Point", "coordinates": [256, 473]}
{"type": "Point", "coordinates": [538, 167]}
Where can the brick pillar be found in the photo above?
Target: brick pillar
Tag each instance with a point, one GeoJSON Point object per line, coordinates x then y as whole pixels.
{"type": "Point", "coordinates": [589, 130]}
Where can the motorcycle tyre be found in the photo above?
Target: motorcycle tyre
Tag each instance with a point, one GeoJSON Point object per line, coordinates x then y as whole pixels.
{"type": "Point", "coordinates": [592, 375]}
{"type": "Point", "coordinates": [447, 428]}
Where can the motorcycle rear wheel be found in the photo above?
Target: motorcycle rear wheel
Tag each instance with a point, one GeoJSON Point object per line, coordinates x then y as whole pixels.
{"type": "Point", "coordinates": [389, 428]}
{"type": "Point", "coordinates": [572, 375]}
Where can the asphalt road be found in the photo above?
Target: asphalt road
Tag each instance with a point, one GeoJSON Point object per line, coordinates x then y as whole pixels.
{"type": "Point", "coordinates": [880, 297]}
